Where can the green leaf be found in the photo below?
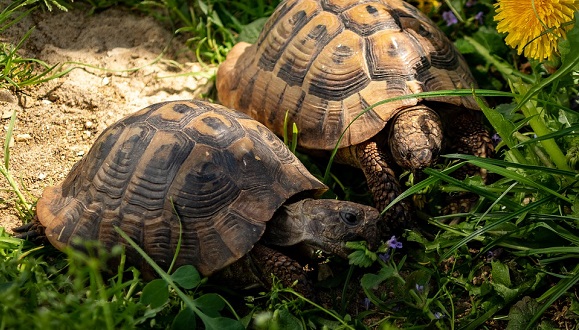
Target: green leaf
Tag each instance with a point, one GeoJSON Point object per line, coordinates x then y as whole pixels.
{"type": "Point", "coordinates": [569, 48]}
{"type": "Point", "coordinates": [155, 293]}
{"type": "Point", "coordinates": [283, 319]}
{"type": "Point", "coordinates": [464, 47]}
{"type": "Point", "coordinates": [250, 32]}
{"type": "Point", "coordinates": [360, 259]}
{"type": "Point", "coordinates": [203, 6]}
{"type": "Point", "coordinates": [490, 39]}
{"type": "Point", "coordinates": [501, 274]}
{"type": "Point", "coordinates": [521, 313]}
{"type": "Point", "coordinates": [210, 304]}
{"type": "Point", "coordinates": [221, 323]}
{"type": "Point", "coordinates": [187, 277]}
{"type": "Point", "coordinates": [184, 320]}
{"type": "Point", "coordinates": [370, 281]}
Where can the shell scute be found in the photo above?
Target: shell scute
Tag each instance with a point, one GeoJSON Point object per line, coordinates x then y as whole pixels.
{"type": "Point", "coordinates": [366, 19]}
{"type": "Point", "coordinates": [284, 31]}
{"type": "Point", "coordinates": [340, 70]}
{"type": "Point", "coordinates": [298, 56]}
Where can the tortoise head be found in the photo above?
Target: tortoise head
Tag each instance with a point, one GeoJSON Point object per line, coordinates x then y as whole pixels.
{"type": "Point", "coordinates": [416, 138]}
{"type": "Point", "coordinates": [324, 224]}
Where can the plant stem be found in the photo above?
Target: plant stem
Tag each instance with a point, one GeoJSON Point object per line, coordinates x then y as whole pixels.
{"type": "Point", "coordinates": [505, 69]}
{"type": "Point", "coordinates": [530, 110]}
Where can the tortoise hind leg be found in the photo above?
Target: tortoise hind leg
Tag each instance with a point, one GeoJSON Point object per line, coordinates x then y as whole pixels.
{"type": "Point", "coordinates": [467, 135]}
{"type": "Point", "coordinates": [32, 231]}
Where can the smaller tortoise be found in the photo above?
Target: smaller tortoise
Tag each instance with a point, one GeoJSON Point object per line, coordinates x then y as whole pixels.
{"type": "Point", "coordinates": [225, 178]}
{"type": "Point", "coordinates": [321, 63]}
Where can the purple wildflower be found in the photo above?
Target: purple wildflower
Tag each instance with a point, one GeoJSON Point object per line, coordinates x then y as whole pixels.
{"type": "Point", "coordinates": [419, 288]}
{"type": "Point", "coordinates": [367, 303]}
{"type": "Point", "coordinates": [438, 315]}
{"type": "Point", "coordinates": [384, 256]}
{"type": "Point", "coordinates": [479, 17]}
{"type": "Point", "coordinates": [496, 139]}
{"type": "Point", "coordinates": [492, 254]}
{"type": "Point", "coordinates": [393, 243]}
{"type": "Point", "coordinates": [470, 3]}
{"type": "Point", "coordinates": [449, 18]}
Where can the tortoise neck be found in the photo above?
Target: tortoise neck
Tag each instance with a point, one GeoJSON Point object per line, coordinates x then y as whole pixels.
{"type": "Point", "coordinates": [288, 226]}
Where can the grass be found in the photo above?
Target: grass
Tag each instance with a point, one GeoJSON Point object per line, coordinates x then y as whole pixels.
{"type": "Point", "coordinates": [512, 263]}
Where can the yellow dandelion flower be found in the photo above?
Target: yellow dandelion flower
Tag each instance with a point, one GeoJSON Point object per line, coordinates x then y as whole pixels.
{"type": "Point", "coordinates": [534, 33]}
{"type": "Point", "coordinates": [427, 6]}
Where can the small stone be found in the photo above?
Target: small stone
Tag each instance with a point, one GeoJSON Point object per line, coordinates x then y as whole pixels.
{"type": "Point", "coordinates": [89, 124]}
{"type": "Point", "coordinates": [42, 176]}
{"type": "Point", "coordinates": [106, 81]}
{"type": "Point", "coordinates": [46, 102]}
{"type": "Point", "coordinates": [23, 137]}
{"type": "Point", "coordinates": [6, 96]}
{"type": "Point", "coordinates": [80, 153]}
{"type": "Point", "coordinates": [26, 102]}
{"type": "Point", "coordinates": [52, 97]}
{"type": "Point", "coordinates": [7, 114]}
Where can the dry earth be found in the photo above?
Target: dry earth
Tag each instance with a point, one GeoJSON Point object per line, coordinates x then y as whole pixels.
{"type": "Point", "coordinates": [58, 121]}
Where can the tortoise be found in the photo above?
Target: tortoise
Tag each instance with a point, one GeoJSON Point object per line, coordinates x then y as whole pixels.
{"type": "Point", "coordinates": [324, 62]}
{"type": "Point", "coordinates": [233, 187]}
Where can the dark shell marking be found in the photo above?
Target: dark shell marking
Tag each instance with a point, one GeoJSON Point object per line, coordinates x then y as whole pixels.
{"type": "Point", "coordinates": [223, 173]}
{"type": "Point", "coordinates": [327, 60]}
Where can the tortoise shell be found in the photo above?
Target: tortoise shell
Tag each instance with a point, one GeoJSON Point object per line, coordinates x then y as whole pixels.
{"type": "Point", "coordinates": [325, 61]}
{"type": "Point", "coordinates": [215, 172]}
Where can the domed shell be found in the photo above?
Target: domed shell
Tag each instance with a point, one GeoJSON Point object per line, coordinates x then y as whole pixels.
{"type": "Point", "coordinates": [325, 61]}
{"type": "Point", "coordinates": [217, 173]}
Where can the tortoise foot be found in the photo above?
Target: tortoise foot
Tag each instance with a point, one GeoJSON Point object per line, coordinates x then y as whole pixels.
{"type": "Point", "coordinates": [468, 135]}
{"type": "Point", "coordinates": [32, 231]}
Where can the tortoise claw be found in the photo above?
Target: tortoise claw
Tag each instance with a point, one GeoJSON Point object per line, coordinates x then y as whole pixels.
{"type": "Point", "coordinates": [32, 231]}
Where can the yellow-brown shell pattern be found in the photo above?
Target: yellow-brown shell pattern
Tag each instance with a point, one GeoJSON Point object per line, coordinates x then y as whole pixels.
{"type": "Point", "coordinates": [216, 172]}
{"type": "Point", "coordinates": [325, 61]}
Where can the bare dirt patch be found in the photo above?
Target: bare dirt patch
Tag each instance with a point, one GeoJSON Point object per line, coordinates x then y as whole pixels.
{"type": "Point", "coordinates": [58, 121]}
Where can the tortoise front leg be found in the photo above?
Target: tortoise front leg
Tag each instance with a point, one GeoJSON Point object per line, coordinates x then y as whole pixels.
{"type": "Point", "coordinates": [269, 261]}
{"type": "Point", "coordinates": [383, 184]}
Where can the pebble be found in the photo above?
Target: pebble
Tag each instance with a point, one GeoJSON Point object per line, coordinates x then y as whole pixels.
{"type": "Point", "coordinates": [7, 114]}
{"type": "Point", "coordinates": [23, 137]}
{"type": "Point", "coordinates": [6, 96]}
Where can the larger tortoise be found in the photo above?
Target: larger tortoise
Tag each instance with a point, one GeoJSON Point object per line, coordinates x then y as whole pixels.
{"type": "Point", "coordinates": [217, 178]}
{"type": "Point", "coordinates": [324, 62]}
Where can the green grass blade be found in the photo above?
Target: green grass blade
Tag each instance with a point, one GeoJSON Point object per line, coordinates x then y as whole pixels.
{"type": "Point", "coordinates": [520, 212]}
{"type": "Point", "coordinates": [497, 162]}
{"type": "Point", "coordinates": [481, 191]}
{"type": "Point", "coordinates": [7, 140]}
{"type": "Point", "coordinates": [555, 293]}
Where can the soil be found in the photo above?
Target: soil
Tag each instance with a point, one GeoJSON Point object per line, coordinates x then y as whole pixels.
{"type": "Point", "coordinates": [57, 121]}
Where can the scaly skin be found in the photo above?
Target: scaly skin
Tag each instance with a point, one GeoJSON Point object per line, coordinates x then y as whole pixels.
{"type": "Point", "coordinates": [384, 185]}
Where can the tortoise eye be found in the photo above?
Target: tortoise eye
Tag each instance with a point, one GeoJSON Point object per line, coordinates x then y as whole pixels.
{"type": "Point", "coordinates": [349, 218]}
